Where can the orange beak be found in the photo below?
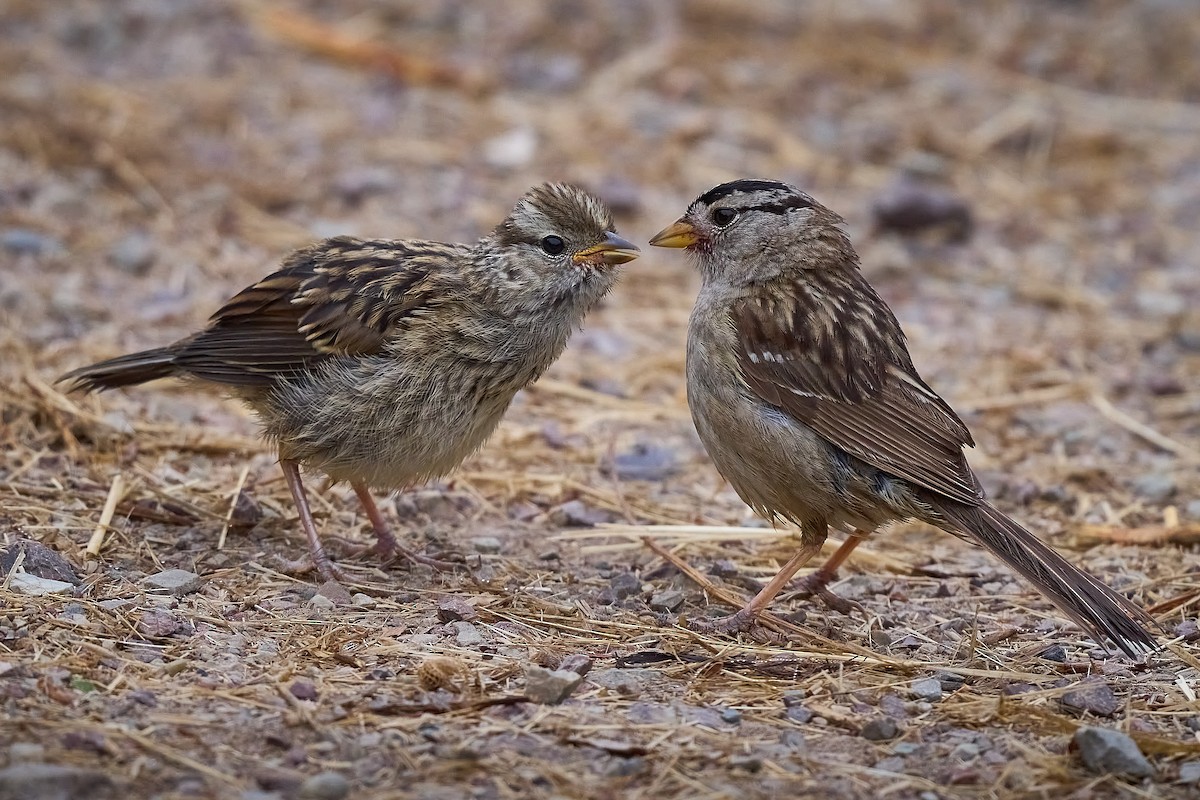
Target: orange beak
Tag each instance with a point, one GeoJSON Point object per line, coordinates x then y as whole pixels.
{"type": "Point", "coordinates": [678, 234]}
{"type": "Point", "coordinates": [610, 252]}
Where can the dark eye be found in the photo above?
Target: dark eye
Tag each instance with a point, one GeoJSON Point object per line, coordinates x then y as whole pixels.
{"type": "Point", "coordinates": [724, 216]}
{"type": "Point", "coordinates": [553, 245]}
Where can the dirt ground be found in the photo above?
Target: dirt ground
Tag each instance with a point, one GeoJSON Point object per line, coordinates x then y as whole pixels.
{"type": "Point", "coordinates": [1023, 183]}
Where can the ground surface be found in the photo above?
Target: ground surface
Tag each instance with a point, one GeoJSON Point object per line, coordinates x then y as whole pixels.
{"type": "Point", "coordinates": [156, 157]}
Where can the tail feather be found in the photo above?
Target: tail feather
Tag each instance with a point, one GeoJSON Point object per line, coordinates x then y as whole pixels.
{"type": "Point", "coordinates": [127, 370]}
{"type": "Point", "coordinates": [1097, 608]}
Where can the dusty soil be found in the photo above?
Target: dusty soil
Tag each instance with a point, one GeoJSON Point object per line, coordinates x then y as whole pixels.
{"type": "Point", "coordinates": [1023, 181]}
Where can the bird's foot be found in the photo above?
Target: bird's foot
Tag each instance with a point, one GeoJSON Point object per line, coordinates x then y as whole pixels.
{"type": "Point", "coordinates": [816, 585]}
{"type": "Point", "coordinates": [325, 569]}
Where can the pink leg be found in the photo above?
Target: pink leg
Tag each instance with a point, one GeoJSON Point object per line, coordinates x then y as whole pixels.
{"type": "Point", "coordinates": [325, 567]}
{"type": "Point", "coordinates": [386, 545]}
{"type": "Point", "coordinates": [745, 618]}
{"type": "Point", "coordinates": [816, 584]}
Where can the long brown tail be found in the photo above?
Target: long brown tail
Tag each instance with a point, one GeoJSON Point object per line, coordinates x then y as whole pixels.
{"type": "Point", "coordinates": [122, 371]}
{"type": "Point", "coordinates": [1082, 597]}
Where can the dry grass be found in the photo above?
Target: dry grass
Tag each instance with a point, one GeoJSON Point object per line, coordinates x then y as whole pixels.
{"type": "Point", "coordinates": [1066, 329]}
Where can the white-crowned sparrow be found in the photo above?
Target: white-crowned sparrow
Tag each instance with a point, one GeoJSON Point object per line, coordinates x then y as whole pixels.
{"type": "Point", "coordinates": [387, 362]}
{"type": "Point", "coordinates": [803, 392]}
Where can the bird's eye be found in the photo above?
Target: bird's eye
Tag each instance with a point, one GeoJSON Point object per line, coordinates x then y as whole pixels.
{"type": "Point", "coordinates": [724, 216]}
{"type": "Point", "coordinates": [553, 245]}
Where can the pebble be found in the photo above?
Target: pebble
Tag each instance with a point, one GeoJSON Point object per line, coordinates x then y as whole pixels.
{"type": "Point", "coordinates": [880, 729]}
{"type": "Point", "coordinates": [550, 687]}
{"type": "Point", "coordinates": [1091, 696]}
{"type": "Point", "coordinates": [325, 786]}
{"type": "Point", "coordinates": [335, 593]}
{"type": "Point", "coordinates": [134, 253]}
{"type": "Point", "coordinates": [34, 586]}
{"type": "Point", "coordinates": [1157, 487]}
{"type": "Point", "coordinates": [466, 634]}
{"type": "Point", "coordinates": [20, 241]}
{"type": "Point", "coordinates": [929, 689]}
{"type": "Point", "coordinates": [643, 462]}
{"type": "Point", "coordinates": [625, 584]}
{"type": "Point", "coordinates": [731, 716]}
{"type": "Point", "coordinates": [625, 682]}
{"type": "Point", "coordinates": [25, 751]}
{"type": "Point", "coordinates": [487, 545]}
{"type": "Point", "coordinates": [579, 663]}
{"type": "Point", "coordinates": [1192, 510]}
{"type": "Point", "coordinates": [512, 149]}
{"type": "Point", "coordinates": [303, 690]}
{"type": "Point", "coordinates": [578, 514]}
{"type": "Point", "coordinates": [1103, 750]}
{"type": "Point", "coordinates": [666, 600]}
{"type": "Point", "coordinates": [175, 581]}
{"type": "Point", "coordinates": [453, 609]}
{"type": "Point", "coordinates": [157, 624]}
{"type": "Point", "coordinates": [1189, 772]}
{"type": "Point", "coordinates": [361, 600]}
{"type": "Point", "coordinates": [910, 206]}
{"type": "Point", "coordinates": [321, 603]}
{"type": "Point", "coordinates": [52, 782]}
{"type": "Point", "coordinates": [40, 560]}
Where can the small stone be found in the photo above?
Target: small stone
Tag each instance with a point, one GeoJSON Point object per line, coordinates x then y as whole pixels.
{"type": "Point", "coordinates": [157, 624]}
{"type": "Point", "coordinates": [731, 716]}
{"type": "Point", "coordinates": [1055, 652]}
{"type": "Point", "coordinates": [550, 687]}
{"type": "Point", "coordinates": [324, 786]}
{"type": "Point", "coordinates": [910, 206]}
{"type": "Point", "coordinates": [889, 764]}
{"type": "Point", "coordinates": [579, 663]}
{"type": "Point", "coordinates": [905, 748]}
{"type": "Point", "coordinates": [666, 600]}
{"type": "Point", "coordinates": [303, 690]}
{"type": "Point", "coordinates": [320, 602]}
{"type": "Point", "coordinates": [626, 584]}
{"type": "Point", "coordinates": [1103, 750]}
{"type": "Point", "coordinates": [114, 604]}
{"type": "Point", "coordinates": [578, 514]}
{"type": "Point", "coordinates": [967, 751]}
{"type": "Point", "coordinates": [336, 593]}
{"type": "Point", "coordinates": [799, 714]}
{"type": "Point", "coordinates": [487, 545]}
{"type": "Point", "coordinates": [929, 689]}
{"type": "Point", "coordinates": [880, 729]}
{"type": "Point", "coordinates": [361, 600]}
{"type": "Point", "coordinates": [466, 634]}
{"type": "Point", "coordinates": [1187, 630]}
{"type": "Point", "coordinates": [133, 253]}
{"type": "Point", "coordinates": [1091, 696]}
{"type": "Point", "coordinates": [625, 682]}
{"type": "Point", "coordinates": [1157, 487]}
{"type": "Point", "coordinates": [643, 462]}
{"type": "Point", "coordinates": [453, 609]}
{"type": "Point", "coordinates": [510, 150]}
{"type": "Point", "coordinates": [20, 752]}
{"type": "Point", "coordinates": [40, 560]}
{"type": "Point", "coordinates": [34, 586]}
{"type": "Point", "coordinates": [20, 241]}
{"type": "Point", "coordinates": [174, 581]}
{"type": "Point", "coordinates": [950, 681]}
{"type": "Point", "coordinates": [52, 782]}
{"type": "Point", "coordinates": [1189, 772]}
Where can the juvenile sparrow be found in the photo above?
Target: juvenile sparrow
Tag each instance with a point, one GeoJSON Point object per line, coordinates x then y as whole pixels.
{"type": "Point", "coordinates": [803, 392]}
{"type": "Point", "coordinates": [387, 362]}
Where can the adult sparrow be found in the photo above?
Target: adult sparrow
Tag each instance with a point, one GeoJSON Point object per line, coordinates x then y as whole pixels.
{"type": "Point", "coordinates": [803, 392]}
{"type": "Point", "coordinates": [386, 362]}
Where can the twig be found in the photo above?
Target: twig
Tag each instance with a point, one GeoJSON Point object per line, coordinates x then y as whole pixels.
{"type": "Point", "coordinates": [1114, 414]}
{"type": "Point", "coordinates": [115, 493]}
{"type": "Point", "coordinates": [17, 562]}
{"type": "Point", "coordinates": [237, 493]}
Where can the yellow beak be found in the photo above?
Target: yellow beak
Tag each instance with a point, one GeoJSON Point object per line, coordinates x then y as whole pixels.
{"type": "Point", "coordinates": [678, 234]}
{"type": "Point", "coordinates": [612, 251]}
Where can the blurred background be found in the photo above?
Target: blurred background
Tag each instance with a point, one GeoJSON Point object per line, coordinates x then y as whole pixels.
{"type": "Point", "coordinates": [1022, 178]}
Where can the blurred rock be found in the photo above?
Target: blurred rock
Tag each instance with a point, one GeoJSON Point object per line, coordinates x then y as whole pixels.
{"type": "Point", "coordinates": [578, 514]}
{"type": "Point", "coordinates": [39, 560]}
{"type": "Point", "coordinates": [324, 786]}
{"type": "Point", "coordinates": [929, 689]}
{"type": "Point", "coordinates": [908, 207]}
{"type": "Point", "coordinates": [511, 150]}
{"type": "Point", "coordinates": [1157, 487]}
{"type": "Point", "coordinates": [880, 729]}
{"type": "Point", "coordinates": [1104, 751]}
{"type": "Point", "coordinates": [52, 782]}
{"type": "Point", "coordinates": [19, 241]}
{"type": "Point", "coordinates": [133, 253]}
{"type": "Point", "coordinates": [1092, 696]}
{"type": "Point", "coordinates": [550, 687]}
{"type": "Point", "coordinates": [643, 462]}
{"type": "Point", "coordinates": [174, 581]}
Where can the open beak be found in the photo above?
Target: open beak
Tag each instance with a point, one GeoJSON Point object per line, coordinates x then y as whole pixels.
{"type": "Point", "coordinates": [678, 234]}
{"type": "Point", "coordinates": [610, 252]}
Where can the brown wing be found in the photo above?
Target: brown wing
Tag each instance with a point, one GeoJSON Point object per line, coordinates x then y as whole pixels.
{"type": "Point", "coordinates": [845, 372]}
{"type": "Point", "coordinates": [340, 297]}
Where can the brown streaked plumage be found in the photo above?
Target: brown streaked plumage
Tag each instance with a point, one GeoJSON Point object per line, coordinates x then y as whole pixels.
{"type": "Point", "coordinates": [803, 392]}
{"type": "Point", "coordinates": [384, 362]}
